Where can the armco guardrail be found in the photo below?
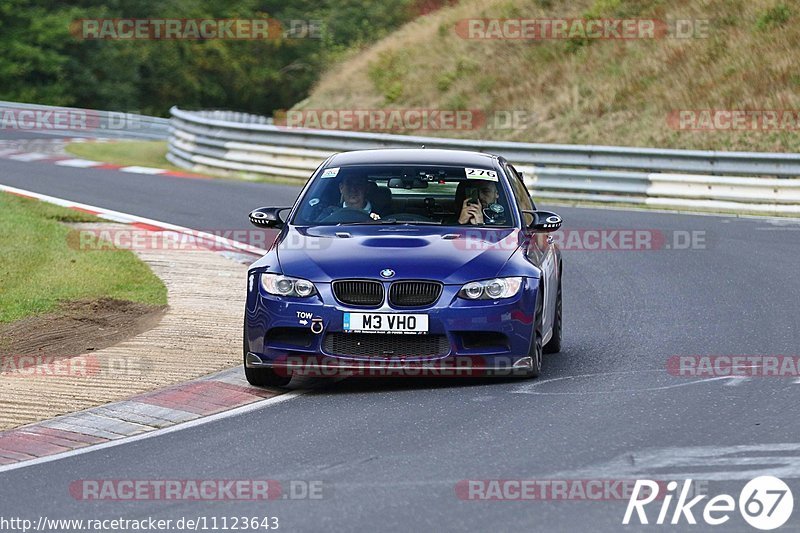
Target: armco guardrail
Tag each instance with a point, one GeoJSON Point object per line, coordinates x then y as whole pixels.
{"type": "Point", "coordinates": [224, 141]}
{"type": "Point", "coordinates": [75, 122]}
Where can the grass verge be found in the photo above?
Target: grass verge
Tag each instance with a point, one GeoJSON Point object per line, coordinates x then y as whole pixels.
{"type": "Point", "coordinates": [39, 269]}
{"type": "Point", "coordinates": [126, 153]}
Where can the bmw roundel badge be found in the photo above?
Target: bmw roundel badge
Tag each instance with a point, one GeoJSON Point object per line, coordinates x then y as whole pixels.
{"type": "Point", "coordinates": [387, 273]}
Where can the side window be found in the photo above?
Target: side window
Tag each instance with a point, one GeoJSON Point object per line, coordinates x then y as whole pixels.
{"type": "Point", "coordinates": [521, 193]}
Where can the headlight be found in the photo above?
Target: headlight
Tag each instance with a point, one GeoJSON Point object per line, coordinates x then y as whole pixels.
{"type": "Point", "coordinates": [280, 285]}
{"type": "Point", "coordinates": [491, 289]}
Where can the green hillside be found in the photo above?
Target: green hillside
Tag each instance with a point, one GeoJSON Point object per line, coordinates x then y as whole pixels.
{"type": "Point", "coordinates": [745, 56]}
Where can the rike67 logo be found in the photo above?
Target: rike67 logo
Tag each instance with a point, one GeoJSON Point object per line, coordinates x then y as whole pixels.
{"type": "Point", "coordinates": [765, 503]}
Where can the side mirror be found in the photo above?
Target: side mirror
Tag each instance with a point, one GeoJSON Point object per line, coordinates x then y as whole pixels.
{"type": "Point", "coordinates": [546, 221]}
{"type": "Point", "coordinates": [267, 217]}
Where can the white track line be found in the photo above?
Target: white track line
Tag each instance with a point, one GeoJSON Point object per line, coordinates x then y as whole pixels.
{"type": "Point", "coordinates": [30, 156]}
{"type": "Point", "coordinates": [529, 387]}
{"type": "Point", "coordinates": [79, 163]}
{"type": "Point", "coordinates": [735, 381]}
{"type": "Point", "coordinates": [142, 170]}
{"type": "Point", "coordinates": [158, 432]}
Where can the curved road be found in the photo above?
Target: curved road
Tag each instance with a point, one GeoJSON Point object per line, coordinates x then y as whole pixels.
{"type": "Point", "coordinates": [390, 453]}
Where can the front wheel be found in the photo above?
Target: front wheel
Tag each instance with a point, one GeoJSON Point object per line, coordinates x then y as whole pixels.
{"type": "Point", "coordinates": [266, 377]}
{"type": "Point", "coordinates": [536, 350]}
{"type": "Point", "coordinates": [536, 356]}
{"type": "Point", "coordinates": [554, 344]}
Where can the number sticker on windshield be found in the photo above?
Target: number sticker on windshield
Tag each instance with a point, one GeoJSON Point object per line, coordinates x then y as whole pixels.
{"type": "Point", "coordinates": [330, 172]}
{"type": "Point", "coordinates": [481, 174]}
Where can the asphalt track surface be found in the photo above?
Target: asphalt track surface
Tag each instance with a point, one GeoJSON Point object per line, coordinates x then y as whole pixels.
{"type": "Point", "coordinates": [390, 452]}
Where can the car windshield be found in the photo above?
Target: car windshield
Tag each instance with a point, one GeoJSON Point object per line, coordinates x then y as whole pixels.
{"type": "Point", "coordinates": [405, 194]}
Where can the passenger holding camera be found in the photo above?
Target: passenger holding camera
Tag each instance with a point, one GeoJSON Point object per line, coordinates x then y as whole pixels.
{"type": "Point", "coordinates": [483, 195]}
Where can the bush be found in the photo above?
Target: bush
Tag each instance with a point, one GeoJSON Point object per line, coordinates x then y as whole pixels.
{"type": "Point", "coordinates": [774, 17]}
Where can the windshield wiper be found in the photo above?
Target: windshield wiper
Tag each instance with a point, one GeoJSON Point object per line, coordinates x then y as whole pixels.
{"type": "Point", "coordinates": [391, 221]}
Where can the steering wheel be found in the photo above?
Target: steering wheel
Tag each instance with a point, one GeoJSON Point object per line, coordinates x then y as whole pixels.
{"type": "Point", "coordinates": [346, 215]}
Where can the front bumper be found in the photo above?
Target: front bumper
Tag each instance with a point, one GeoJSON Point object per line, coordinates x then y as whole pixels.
{"type": "Point", "coordinates": [483, 336]}
{"type": "Point", "coordinates": [451, 366]}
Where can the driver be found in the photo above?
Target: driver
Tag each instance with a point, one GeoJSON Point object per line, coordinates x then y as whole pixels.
{"type": "Point", "coordinates": [472, 211]}
{"type": "Point", "coordinates": [354, 193]}
{"type": "Point", "coordinates": [353, 190]}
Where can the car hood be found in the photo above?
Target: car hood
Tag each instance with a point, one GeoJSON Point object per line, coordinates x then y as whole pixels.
{"type": "Point", "coordinates": [447, 254]}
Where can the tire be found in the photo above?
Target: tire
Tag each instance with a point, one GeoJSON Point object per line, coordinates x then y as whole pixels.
{"type": "Point", "coordinates": [536, 355]}
{"type": "Point", "coordinates": [536, 351]}
{"type": "Point", "coordinates": [263, 377]}
{"type": "Point", "coordinates": [554, 345]}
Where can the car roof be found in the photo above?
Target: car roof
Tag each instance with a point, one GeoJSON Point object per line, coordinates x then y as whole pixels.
{"type": "Point", "coordinates": [412, 156]}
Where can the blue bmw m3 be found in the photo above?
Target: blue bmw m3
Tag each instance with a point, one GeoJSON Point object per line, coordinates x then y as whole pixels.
{"type": "Point", "coordinates": [405, 262]}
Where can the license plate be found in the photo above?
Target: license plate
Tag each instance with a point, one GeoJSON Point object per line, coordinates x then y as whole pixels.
{"type": "Point", "coordinates": [385, 323]}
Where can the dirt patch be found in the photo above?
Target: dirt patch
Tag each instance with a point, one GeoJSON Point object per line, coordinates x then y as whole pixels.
{"type": "Point", "coordinates": [200, 333]}
{"type": "Point", "coordinates": [78, 328]}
